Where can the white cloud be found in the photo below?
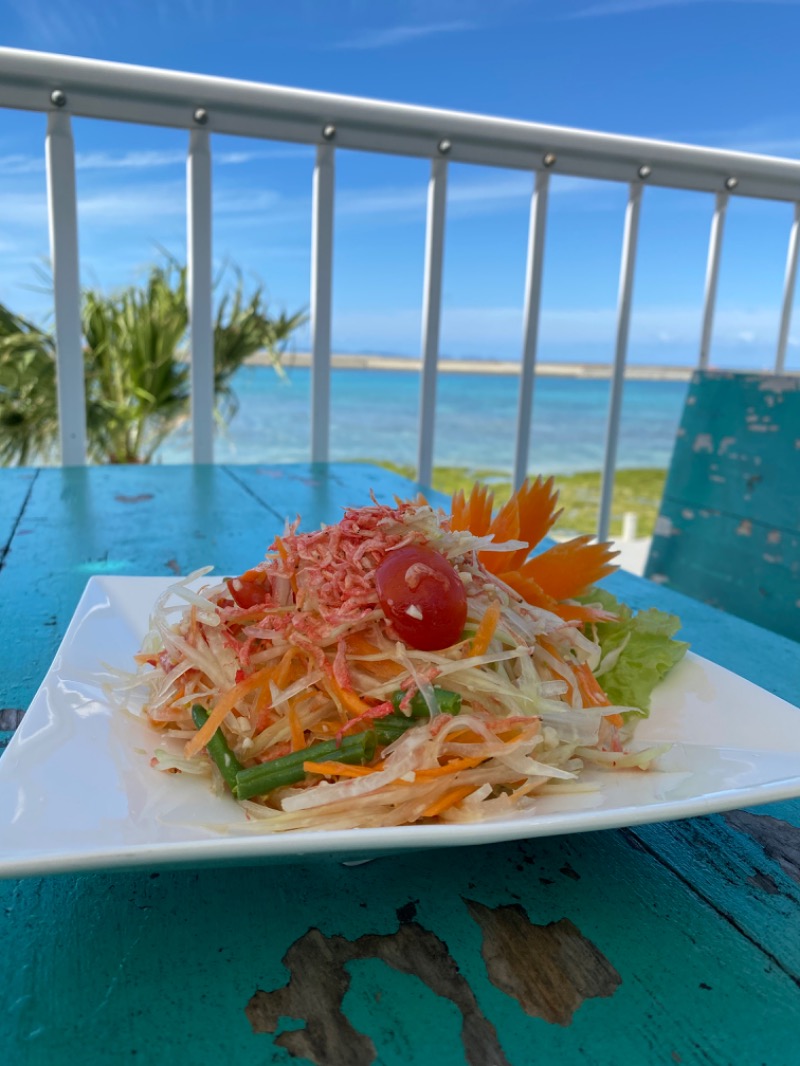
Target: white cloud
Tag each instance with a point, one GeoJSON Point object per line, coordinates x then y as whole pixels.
{"type": "Point", "coordinates": [465, 198]}
{"type": "Point", "coordinates": [59, 28]}
{"type": "Point", "coordinates": [134, 205]}
{"type": "Point", "coordinates": [18, 164]}
{"type": "Point", "coordinates": [629, 7]}
{"type": "Point", "coordinates": [496, 332]}
{"type": "Point", "coordinates": [397, 35]}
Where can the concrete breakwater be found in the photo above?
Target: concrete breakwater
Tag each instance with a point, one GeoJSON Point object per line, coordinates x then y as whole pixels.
{"type": "Point", "coordinates": [586, 371]}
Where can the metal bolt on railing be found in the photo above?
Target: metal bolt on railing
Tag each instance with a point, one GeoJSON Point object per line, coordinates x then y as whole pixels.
{"type": "Point", "coordinates": [731, 183]}
{"type": "Point", "coordinates": [200, 116]}
{"type": "Point", "coordinates": [58, 98]}
{"type": "Point", "coordinates": [645, 170]}
{"type": "Point", "coordinates": [549, 159]}
{"type": "Point", "coordinates": [329, 131]}
{"type": "Point", "coordinates": [444, 146]}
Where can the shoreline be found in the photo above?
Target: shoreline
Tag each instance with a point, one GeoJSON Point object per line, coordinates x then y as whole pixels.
{"type": "Point", "coordinates": [584, 371]}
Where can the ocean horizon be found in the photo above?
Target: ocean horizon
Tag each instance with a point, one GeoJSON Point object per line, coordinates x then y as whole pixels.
{"type": "Point", "coordinates": [374, 415]}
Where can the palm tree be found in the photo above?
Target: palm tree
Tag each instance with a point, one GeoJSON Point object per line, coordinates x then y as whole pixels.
{"type": "Point", "coordinates": [136, 372]}
{"type": "Point", "coordinates": [28, 412]}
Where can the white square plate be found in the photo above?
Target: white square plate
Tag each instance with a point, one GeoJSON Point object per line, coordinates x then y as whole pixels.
{"type": "Point", "coordinates": [77, 791]}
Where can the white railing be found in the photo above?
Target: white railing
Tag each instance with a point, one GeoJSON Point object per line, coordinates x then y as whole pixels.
{"type": "Point", "coordinates": [63, 86]}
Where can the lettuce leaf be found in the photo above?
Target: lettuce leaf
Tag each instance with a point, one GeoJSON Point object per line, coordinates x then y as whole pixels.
{"type": "Point", "coordinates": [648, 650]}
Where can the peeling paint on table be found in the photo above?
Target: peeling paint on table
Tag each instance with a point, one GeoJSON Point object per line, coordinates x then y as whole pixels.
{"type": "Point", "coordinates": [673, 943]}
{"type": "Point", "coordinates": [729, 528]}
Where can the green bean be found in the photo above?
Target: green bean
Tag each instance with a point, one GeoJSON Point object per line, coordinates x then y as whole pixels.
{"type": "Point", "coordinates": [392, 726]}
{"type": "Point", "coordinates": [227, 763]}
{"type": "Point", "coordinates": [259, 780]}
{"type": "Point", "coordinates": [447, 702]}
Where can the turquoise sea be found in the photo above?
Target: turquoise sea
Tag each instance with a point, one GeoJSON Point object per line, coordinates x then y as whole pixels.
{"type": "Point", "coordinates": [374, 416]}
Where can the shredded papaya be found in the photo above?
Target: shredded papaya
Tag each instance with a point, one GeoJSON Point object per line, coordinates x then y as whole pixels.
{"type": "Point", "coordinates": [224, 705]}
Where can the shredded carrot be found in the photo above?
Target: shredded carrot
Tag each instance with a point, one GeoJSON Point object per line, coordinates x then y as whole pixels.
{"type": "Point", "coordinates": [557, 655]}
{"type": "Point", "coordinates": [452, 767]}
{"type": "Point", "coordinates": [483, 637]}
{"type": "Point", "coordinates": [296, 731]}
{"type": "Point", "coordinates": [358, 644]}
{"type": "Point", "coordinates": [282, 676]}
{"type": "Point", "coordinates": [349, 700]}
{"type": "Point", "coordinates": [589, 687]}
{"type": "Point", "coordinates": [383, 669]}
{"type": "Point", "coordinates": [466, 736]}
{"type": "Point", "coordinates": [262, 715]}
{"type": "Point", "coordinates": [225, 704]}
{"type": "Point", "coordinates": [336, 769]}
{"type": "Point", "coordinates": [449, 799]}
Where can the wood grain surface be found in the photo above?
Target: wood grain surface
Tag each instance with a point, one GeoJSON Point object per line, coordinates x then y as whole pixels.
{"type": "Point", "coordinates": [729, 528]}
{"type": "Point", "coordinates": [672, 943]}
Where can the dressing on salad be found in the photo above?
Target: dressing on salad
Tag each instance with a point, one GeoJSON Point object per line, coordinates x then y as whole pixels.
{"type": "Point", "coordinates": [402, 666]}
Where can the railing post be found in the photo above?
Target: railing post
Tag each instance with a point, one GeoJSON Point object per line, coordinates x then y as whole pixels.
{"type": "Point", "coordinates": [63, 217]}
{"type": "Point", "coordinates": [321, 301]}
{"type": "Point", "coordinates": [431, 313]}
{"type": "Point", "coordinates": [712, 276]}
{"type": "Point", "coordinates": [625, 300]}
{"type": "Point", "coordinates": [530, 329]}
{"type": "Point", "coordinates": [199, 294]}
{"type": "Point", "coordinates": [788, 291]}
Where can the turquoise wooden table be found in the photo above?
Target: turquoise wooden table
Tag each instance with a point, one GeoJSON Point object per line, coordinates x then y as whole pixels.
{"type": "Point", "coordinates": [673, 943]}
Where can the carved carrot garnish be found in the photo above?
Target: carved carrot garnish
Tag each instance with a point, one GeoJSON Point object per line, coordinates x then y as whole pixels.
{"type": "Point", "coordinates": [560, 573]}
{"type": "Point", "coordinates": [569, 568]}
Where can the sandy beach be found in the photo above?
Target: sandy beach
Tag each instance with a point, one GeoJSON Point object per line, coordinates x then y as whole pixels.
{"type": "Point", "coordinates": [587, 371]}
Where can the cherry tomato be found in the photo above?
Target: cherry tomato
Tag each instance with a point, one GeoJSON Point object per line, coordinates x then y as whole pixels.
{"type": "Point", "coordinates": [423, 597]}
{"type": "Point", "coordinates": [247, 592]}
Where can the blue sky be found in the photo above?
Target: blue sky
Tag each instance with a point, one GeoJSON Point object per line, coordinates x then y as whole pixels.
{"type": "Point", "coordinates": [715, 72]}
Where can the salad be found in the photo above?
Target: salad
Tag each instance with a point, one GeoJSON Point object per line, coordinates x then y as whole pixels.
{"type": "Point", "coordinates": [402, 666]}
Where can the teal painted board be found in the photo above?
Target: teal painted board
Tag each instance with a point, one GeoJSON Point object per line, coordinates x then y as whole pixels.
{"type": "Point", "coordinates": [739, 861]}
{"type": "Point", "coordinates": [748, 568]}
{"type": "Point", "coordinates": [320, 492]}
{"type": "Point", "coordinates": [768, 659]}
{"type": "Point", "coordinates": [17, 485]}
{"type": "Point", "coordinates": [125, 520]}
{"type": "Point", "coordinates": [729, 528]}
{"type": "Point", "coordinates": [738, 446]}
{"type": "Point", "coordinates": [655, 945]}
{"type": "Point", "coordinates": [573, 950]}
{"type": "Point", "coordinates": [149, 521]}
